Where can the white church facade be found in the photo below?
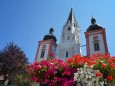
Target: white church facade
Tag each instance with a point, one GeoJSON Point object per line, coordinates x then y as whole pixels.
{"type": "Point", "coordinates": [70, 41]}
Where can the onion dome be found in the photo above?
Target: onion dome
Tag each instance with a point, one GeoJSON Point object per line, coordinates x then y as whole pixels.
{"type": "Point", "coordinates": [50, 35]}
{"type": "Point", "coordinates": [94, 26]}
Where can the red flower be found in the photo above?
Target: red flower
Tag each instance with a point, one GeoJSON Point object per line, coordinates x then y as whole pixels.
{"type": "Point", "coordinates": [112, 65]}
{"type": "Point", "coordinates": [109, 78]}
{"type": "Point", "coordinates": [90, 63]}
{"type": "Point", "coordinates": [110, 61]}
{"type": "Point", "coordinates": [103, 65]}
{"type": "Point", "coordinates": [99, 74]}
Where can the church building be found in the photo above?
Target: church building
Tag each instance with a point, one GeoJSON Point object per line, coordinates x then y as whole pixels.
{"type": "Point", "coordinates": [96, 39]}
{"type": "Point", "coordinates": [70, 41]}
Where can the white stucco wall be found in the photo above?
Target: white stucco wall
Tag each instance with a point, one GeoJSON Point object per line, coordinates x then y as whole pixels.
{"type": "Point", "coordinates": [46, 52]}
{"type": "Point", "coordinates": [72, 49]}
{"type": "Point", "coordinates": [53, 50]}
{"type": "Point", "coordinates": [101, 44]}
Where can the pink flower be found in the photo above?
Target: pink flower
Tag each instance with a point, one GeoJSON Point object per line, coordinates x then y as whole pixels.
{"type": "Point", "coordinates": [51, 55]}
{"type": "Point", "coordinates": [45, 81]}
{"type": "Point", "coordinates": [36, 63]}
{"type": "Point", "coordinates": [39, 67]}
{"type": "Point", "coordinates": [66, 73]}
{"type": "Point", "coordinates": [35, 79]}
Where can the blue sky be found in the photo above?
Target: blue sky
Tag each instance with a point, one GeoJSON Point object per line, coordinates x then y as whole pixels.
{"type": "Point", "coordinates": [25, 22]}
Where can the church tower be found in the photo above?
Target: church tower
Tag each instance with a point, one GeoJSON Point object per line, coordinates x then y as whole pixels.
{"type": "Point", "coordinates": [95, 39]}
{"type": "Point", "coordinates": [70, 39]}
{"type": "Point", "coordinates": [46, 47]}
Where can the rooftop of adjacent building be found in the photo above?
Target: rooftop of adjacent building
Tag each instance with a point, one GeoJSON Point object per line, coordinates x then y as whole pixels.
{"type": "Point", "coordinates": [94, 26]}
{"type": "Point", "coordinates": [50, 35]}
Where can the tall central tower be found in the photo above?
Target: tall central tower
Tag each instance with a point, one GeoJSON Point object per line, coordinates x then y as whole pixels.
{"type": "Point", "coordinates": [70, 38]}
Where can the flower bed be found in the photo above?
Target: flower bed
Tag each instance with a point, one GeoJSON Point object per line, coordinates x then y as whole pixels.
{"type": "Point", "coordinates": [52, 72]}
{"type": "Point", "coordinates": [77, 70]}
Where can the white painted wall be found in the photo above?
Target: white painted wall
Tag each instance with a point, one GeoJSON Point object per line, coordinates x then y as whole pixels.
{"type": "Point", "coordinates": [71, 48]}
{"type": "Point", "coordinates": [46, 52]}
{"type": "Point", "coordinates": [101, 44]}
{"type": "Point", "coordinates": [53, 50]}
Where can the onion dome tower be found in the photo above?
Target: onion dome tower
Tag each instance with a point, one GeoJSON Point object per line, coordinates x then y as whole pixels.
{"type": "Point", "coordinates": [50, 35]}
{"type": "Point", "coordinates": [46, 47]}
{"type": "Point", "coordinates": [95, 39]}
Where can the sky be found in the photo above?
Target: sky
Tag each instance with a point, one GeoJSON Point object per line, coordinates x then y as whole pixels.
{"type": "Point", "coordinates": [25, 22]}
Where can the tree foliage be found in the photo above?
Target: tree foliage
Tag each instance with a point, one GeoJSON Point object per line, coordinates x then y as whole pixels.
{"type": "Point", "coordinates": [12, 60]}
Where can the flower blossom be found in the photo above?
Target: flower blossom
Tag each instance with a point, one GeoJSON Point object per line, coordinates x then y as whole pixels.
{"type": "Point", "coordinates": [103, 65]}
{"type": "Point", "coordinates": [99, 74]}
{"type": "Point", "coordinates": [109, 78]}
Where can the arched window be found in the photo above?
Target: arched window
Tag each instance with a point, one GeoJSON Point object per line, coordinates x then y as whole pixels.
{"type": "Point", "coordinates": [68, 28]}
{"type": "Point", "coordinates": [96, 43]}
{"type": "Point", "coordinates": [66, 54]}
{"type": "Point", "coordinates": [96, 46]}
{"type": "Point", "coordinates": [42, 54]}
{"type": "Point", "coordinates": [74, 25]}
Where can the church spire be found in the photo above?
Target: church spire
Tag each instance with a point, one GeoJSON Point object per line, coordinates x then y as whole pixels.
{"type": "Point", "coordinates": [71, 17]}
{"type": "Point", "coordinates": [70, 38]}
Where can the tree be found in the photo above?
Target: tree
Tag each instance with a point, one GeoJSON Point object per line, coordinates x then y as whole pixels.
{"type": "Point", "coordinates": [12, 61]}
